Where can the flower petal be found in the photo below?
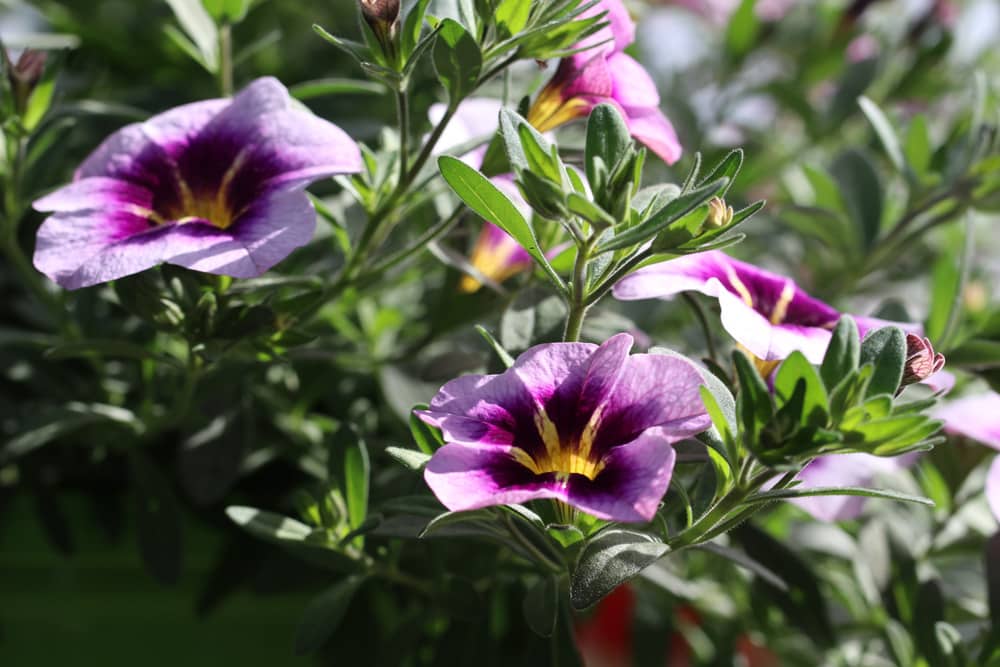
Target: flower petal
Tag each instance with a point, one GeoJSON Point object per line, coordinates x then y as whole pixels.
{"type": "Point", "coordinates": [276, 144]}
{"type": "Point", "coordinates": [632, 85]}
{"type": "Point", "coordinates": [976, 417]}
{"type": "Point", "coordinates": [689, 273]}
{"type": "Point", "coordinates": [467, 477]}
{"type": "Point", "coordinates": [99, 193]}
{"type": "Point", "coordinates": [126, 154]}
{"type": "Point", "coordinates": [96, 246]}
{"type": "Point", "coordinates": [653, 390]}
{"type": "Point", "coordinates": [651, 128]}
{"type": "Point", "coordinates": [633, 481]}
{"type": "Point", "coordinates": [273, 226]}
{"type": "Point", "coordinates": [618, 34]}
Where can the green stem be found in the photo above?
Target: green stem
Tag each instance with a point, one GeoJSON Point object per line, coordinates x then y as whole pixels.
{"type": "Point", "coordinates": [578, 305]}
{"type": "Point", "coordinates": [226, 59]}
{"type": "Point", "coordinates": [403, 119]}
{"type": "Point", "coordinates": [699, 313]}
{"type": "Point", "coordinates": [605, 286]}
{"type": "Point", "coordinates": [393, 260]}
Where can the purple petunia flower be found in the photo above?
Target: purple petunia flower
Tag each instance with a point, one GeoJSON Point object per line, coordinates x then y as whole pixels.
{"type": "Point", "coordinates": [604, 74]}
{"type": "Point", "coordinates": [977, 417]}
{"type": "Point", "coordinates": [590, 426]}
{"type": "Point", "coordinates": [766, 313]}
{"type": "Point", "coordinates": [855, 469]}
{"type": "Point", "coordinates": [214, 186]}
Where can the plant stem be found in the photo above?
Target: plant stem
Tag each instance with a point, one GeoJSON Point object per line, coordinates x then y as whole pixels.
{"type": "Point", "coordinates": [605, 286]}
{"type": "Point", "coordinates": [390, 262]}
{"type": "Point", "coordinates": [699, 313]}
{"type": "Point", "coordinates": [578, 305]}
{"type": "Point", "coordinates": [403, 119]}
{"type": "Point", "coordinates": [226, 59]}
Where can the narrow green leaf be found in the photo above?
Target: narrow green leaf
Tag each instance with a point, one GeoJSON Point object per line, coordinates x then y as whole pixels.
{"type": "Point", "coordinates": [199, 26]}
{"type": "Point", "coordinates": [504, 356]}
{"type": "Point", "coordinates": [885, 131]}
{"type": "Point", "coordinates": [843, 355]}
{"type": "Point", "coordinates": [268, 525]}
{"type": "Point", "coordinates": [861, 189]}
{"type": "Point", "coordinates": [412, 26]}
{"type": "Point", "coordinates": [411, 459]}
{"type": "Point", "coordinates": [357, 474]}
{"type": "Point", "coordinates": [308, 90]}
{"type": "Point", "coordinates": [488, 201]}
{"type": "Point", "coordinates": [786, 494]}
{"type": "Point", "coordinates": [918, 145]}
{"type": "Point", "coordinates": [324, 614]}
{"type": "Point", "coordinates": [513, 15]}
{"type": "Point", "coordinates": [672, 212]}
{"type": "Point", "coordinates": [608, 140]}
{"type": "Point", "coordinates": [426, 437]}
{"type": "Point", "coordinates": [541, 605]}
{"type": "Point", "coordinates": [729, 168]}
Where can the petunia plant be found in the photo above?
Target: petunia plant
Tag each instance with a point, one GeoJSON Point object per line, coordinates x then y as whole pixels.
{"type": "Point", "coordinates": [437, 332]}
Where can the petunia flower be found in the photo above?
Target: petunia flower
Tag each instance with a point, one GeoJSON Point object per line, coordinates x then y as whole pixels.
{"type": "Point", "coordinates": [977, 417]}
{"type": "Point", "coordinates": [214, 186]}
{"type": "Point", "coordinates": [603, 73]}
{"type": "Point", "coordinates": [766, 313]}
{"type": "Point", "coordinates": [857, 469]}
{"type": "Point", "coordinates": [590, 426]}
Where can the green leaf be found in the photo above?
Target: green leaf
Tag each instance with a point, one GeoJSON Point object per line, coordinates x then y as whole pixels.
{"type": "Point", "coordinates": [411, 459]}
{"type": "Point", "coordinates": [797, 369]}
{"type": "Point", "coordinates": [412, 26]}
{"type": "Point", "coordinates": [948, 279]}
{"type": "Point", "coordinates": [200, 27]}
{"type": "Point", "coordinates": [754, 407]}
{"type": "Point", "coordinates": [308, 90]}
{"type": "Point", "coordinates": [324, 614]}
{"type": "Point", "coordinates": [268, 526]}
{"type": "Point", "coordinates": [729, 168]}
{"type": "Point", "coordinates": [885, 131]}
{"type": "Point", "coordinates": [928, 613]}
{"type": "Point", "coordinates": [357, 474]}
{"type": "Point", "coordinates": [608, 141]}
{"type": "Point", "coordinates": [228, 11]}
{"type": "Point", "coordinates": [158, 522]}
{"type": "Point", "coordinates": [541, 605]}
{"type": "Point", "coordinates": [491, 204]}
{"type": "Point", "coordinates": [589, 211]}
{"type": "Point", "coordinates": [427, 438]}
{"type": "Point", "coordinates": [991, 557]}
{"type": "Point", "coordinates": [503, 354]}
{"type": "Point", "coordinates": [457, 59]}
{"type": "Point", "coordinates": [513, 15]}
{"type": "Point", "coordinates": [743, 29]}
{"type": "Point", "coordinates": [41, 98]}
{"type": "Point", "coordinates": [843, 355]}
{"type": "Point", "coordinates": [885, 349]}
{"type": "Point", "coordinates": [918, 145]}
{"type": "Point", "coordinates": [476, 523]}
{"type": "Point", "coordinates": [610, 559]}
{"type": "Point", "coordinates": [803, 603]}
{"type": "Point", "coordinates": [786, 494]}
{"type": "Point", "coordinates": [675, 210]}
{"type": "Point", "coordinates": [861, 189]}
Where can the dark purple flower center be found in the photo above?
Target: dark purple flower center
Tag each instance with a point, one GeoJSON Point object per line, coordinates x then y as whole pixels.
{"type": "Point", "coordinates": [778, 299]}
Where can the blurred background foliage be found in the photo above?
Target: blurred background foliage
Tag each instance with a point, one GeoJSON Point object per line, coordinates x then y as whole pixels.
{"type": "Point", "coordinates": [117, 466]}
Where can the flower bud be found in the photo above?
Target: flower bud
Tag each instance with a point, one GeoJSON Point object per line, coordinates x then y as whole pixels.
{"type": "Point", "coordinates": [921, 360]}
{"type": "Point", "coordinates": [382, 16]}
{"type": "Point", "coordinates": [719, 214]}
{"type": "Point", "coordinates": [25, 75]}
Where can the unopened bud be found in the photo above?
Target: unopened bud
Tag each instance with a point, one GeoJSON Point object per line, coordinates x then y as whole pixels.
{"type": "Point", "coordinates": [24, 76]}
{"type": "Point", "coordinates": [921, 360]}
{"type": "Point", "coordinates": [719, 214]}
{"type": "Point", "coordinates": [380, 10]}
{"type": "Point", "coordinates": [382, 16]}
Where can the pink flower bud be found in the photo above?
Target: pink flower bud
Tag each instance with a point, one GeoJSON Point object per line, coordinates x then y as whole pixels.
{"type": "Point", "coordinates": [921, 360]}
